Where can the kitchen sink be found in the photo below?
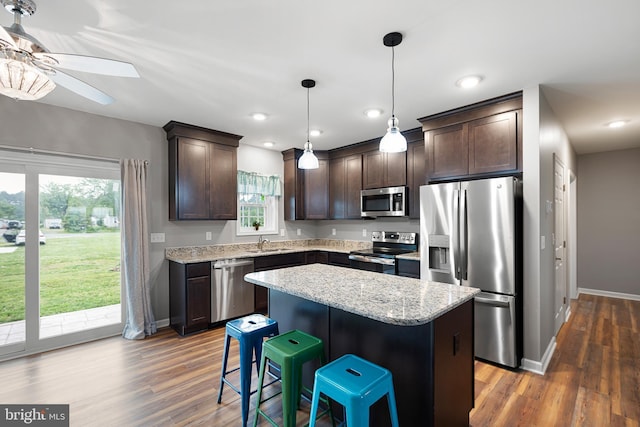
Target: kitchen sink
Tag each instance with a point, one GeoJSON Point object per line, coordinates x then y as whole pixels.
{"type": "Point", "coordinates": [257, 251]}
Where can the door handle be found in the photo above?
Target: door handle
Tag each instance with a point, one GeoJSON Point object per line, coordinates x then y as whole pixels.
{"type": "Point", "coordinates": [492, 302]}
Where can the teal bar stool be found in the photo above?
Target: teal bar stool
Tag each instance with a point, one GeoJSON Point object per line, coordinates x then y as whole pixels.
{"type": "Point", "coordinates": [356, 384]}
{"type": "Point", "coordinates": [250, 331]}
{"type": "Point", "coordinates": [290, 351]}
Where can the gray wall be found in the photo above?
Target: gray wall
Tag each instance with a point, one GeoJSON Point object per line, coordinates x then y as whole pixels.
{"type": "Point", "coordinates": [543, 136]}
{"type": "Point", "coordinates": [609, 222]}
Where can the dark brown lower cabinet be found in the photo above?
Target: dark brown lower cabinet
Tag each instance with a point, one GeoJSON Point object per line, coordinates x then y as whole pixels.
{"type": "Point", "coordinates": [431, 364]}
{"type": "Point", "coordinates": [189, 296]}
{"type": "Point", "coordinates": [408, 268]}
{"type": "Point", "coordinates": [271, 262]}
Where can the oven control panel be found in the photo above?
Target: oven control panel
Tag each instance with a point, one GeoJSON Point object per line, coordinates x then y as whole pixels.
{"type": "Point", "coordinates": [394, 237]}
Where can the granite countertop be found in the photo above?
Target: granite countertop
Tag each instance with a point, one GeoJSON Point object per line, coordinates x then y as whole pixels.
{"type": "Point", "coordinates": [390, 299]}
{"type": "Point", "coordinates": [412, 256]}
{"type": "Point", "coordinates": [193, 254]}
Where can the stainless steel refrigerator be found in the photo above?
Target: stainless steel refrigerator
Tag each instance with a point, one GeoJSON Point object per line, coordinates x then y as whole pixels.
{"type": "Point", "coordinates": [471, 235]}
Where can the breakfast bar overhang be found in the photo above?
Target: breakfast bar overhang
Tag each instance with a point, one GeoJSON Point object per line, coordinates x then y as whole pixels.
{"type": "Point", "coordinates": [421, 331]}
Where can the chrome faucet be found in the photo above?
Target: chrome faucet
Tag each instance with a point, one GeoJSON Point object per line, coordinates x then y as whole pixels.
{"type": "Point", "coordinates": [261, 242]}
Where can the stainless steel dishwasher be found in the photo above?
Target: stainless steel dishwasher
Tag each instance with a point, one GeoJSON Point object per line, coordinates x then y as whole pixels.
{"type": "Point", "coordinates": [231, 296]}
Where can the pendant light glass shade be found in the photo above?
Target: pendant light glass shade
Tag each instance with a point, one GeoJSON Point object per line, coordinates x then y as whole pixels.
{"type": "Point", "coordinates": [393, 141]}
{"type": "Point", "coordinates": [308, 160]}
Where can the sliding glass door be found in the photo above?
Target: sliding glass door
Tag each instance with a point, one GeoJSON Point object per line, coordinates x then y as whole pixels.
{"type": "Point", "coordinates": [62, 281]}
{"type": "Point", "coordinates": [12, 262]}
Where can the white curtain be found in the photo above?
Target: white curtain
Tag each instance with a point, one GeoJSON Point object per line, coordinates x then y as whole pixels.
{"type": "Point", "coordinates": [139, 320]}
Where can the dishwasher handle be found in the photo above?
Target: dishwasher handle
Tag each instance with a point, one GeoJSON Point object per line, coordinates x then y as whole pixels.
{"type": "Point", "coordinates": [231, 263]}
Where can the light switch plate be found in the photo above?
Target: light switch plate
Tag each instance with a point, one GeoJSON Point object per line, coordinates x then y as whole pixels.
{"type": "Point", "coordinates": [364, 232]}
{"type": "Point", "coordinates": [157, 237]}
{"type": "Point", "coordinates": [299, 232]}
{"type": "Point", "coordinates": [333, 231]}
{"type": "Point", "coordinates": [282, 232]}
{"type": "Point", "coordinates": [208, 235]}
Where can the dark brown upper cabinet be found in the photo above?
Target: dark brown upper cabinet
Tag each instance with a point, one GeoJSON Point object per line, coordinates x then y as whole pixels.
{"type": "Point", "coordinates": [345, 183]}
{"type": "Point", "coordinates": [383, 169]}
{"type": "Point", "coordinates": [306, 192]}
{"type": "Point", "coordinates": [416, 170]}
{"type": "Point", "coordinates": [478, 140]}
{"type": "Point", "coordinates": [203, 170]}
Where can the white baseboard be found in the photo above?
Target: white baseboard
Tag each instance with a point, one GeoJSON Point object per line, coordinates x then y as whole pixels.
{"type": "Point", "coordinates": [610, 294]}
{"type": "Point", "coordinates": [567, 313]}
{"type": "Point", "coordinates": [541, 366]}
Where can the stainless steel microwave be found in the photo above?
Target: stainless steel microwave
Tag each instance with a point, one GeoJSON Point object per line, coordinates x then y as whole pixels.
{"type": "Point", "coordinates": [387, 201]}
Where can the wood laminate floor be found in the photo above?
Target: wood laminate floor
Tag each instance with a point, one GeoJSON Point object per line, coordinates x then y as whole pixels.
{"type": "Point", "coordinates": [166, 380]}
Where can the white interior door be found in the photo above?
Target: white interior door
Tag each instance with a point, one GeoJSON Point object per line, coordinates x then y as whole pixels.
{"type": "Point", "coordinates": [559, 243]}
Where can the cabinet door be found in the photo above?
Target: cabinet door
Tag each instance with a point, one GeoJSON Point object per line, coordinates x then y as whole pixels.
{"type": "Point", "coordinates": [224, 187]}
{"type": "Point", "coordinates": [447, 151]}
{"type": "Point", "coordinates": [293, 188]}
{"type": "Point", "coordinates": [316, 191]}
{"type": "Point", "coordinates": [353, 182]}
{"type": "Point", "coordinates": [345, 183]}
{"type": "Point", "coordinates": [416, 176]}
{"type": "Point", "coordinates": [373, 169]}
{"type": "Point", "coordinates": [198, 300]}
{"type": "Point", "coordinates": [337, 189]}
{"type": "Point", "coordinates": [395, 169]}
{"type": "Point", "coordinates": [192, 179]}
{"type": "Point", "coordinates": [493, 143]}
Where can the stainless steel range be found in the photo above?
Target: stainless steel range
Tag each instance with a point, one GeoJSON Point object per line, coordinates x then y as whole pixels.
{"type": "Point", "coordinates": [386, 246]}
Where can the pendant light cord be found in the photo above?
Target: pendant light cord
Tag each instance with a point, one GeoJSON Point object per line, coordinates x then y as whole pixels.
{"type": "Point", "coordinates": [393, 83]}
{"type": "Point", "coordinates": [307, 118]}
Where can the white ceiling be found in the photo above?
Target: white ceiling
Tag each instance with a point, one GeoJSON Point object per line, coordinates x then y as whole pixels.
{"type": "Point", "coordinates": [213, 63]}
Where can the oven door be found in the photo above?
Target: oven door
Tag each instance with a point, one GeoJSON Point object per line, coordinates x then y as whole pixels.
{"type": "Point", "coordinates": [373, 263]}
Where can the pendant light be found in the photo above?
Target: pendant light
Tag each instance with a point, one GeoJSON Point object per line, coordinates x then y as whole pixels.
{"type": "Point", "coordinates": [308, 160]}
{"type": "Point", "coordinates": [393, 141]}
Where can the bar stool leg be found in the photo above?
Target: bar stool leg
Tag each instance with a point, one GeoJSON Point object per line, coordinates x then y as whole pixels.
{"type": "Point", "coordinates": [225, 356]}
{"type": "Point", "coordinates": [246, 359]}
{"type": "Point", "coordinates": [259, 391]}
{"type": "Point", "coordinates": [393, 410]}
{"type": "Point", "coordinates": [289, 394]}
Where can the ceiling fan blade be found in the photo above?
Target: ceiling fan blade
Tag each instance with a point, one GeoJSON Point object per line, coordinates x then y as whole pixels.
{"type": "Point", "coordinates": [4, 35]}
{"type": "Point", "coordinates": [92, 64]}
{"type": "Point", "coordinates": [81, 88]}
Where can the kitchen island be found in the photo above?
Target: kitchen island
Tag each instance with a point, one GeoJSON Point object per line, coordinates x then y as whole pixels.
{"type": "Point", "coordinates": [421, 331]}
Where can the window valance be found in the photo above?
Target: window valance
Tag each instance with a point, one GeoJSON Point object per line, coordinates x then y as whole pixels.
{"type": "Point", "coordinates": [255, 183]}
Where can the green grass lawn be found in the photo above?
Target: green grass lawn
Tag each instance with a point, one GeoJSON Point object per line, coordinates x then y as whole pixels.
{"type": "Point", "coordinates": [77, 272]}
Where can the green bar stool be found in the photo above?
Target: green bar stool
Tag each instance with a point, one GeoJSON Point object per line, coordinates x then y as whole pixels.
{"type": "Point", "coordinates": [290, 351]}
{"type": "Point", "coordinates": [356, 384]}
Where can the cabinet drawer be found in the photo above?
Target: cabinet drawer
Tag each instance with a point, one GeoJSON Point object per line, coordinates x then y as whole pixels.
{"type": "Point", "coordinates": [198, 269]}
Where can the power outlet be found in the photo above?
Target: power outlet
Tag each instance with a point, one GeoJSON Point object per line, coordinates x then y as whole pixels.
{"type": "Point", "coordinates": [364, 232]}
{"type": "Point", "coordinates": [207, 235]}
{"type": "Point", "coordinates": [282, 232]}
{"type": "Point", "coordinates": [299, 232]}
{"type": "Point", "coordinates": [333, 231]}
{"type": "Point", "coordinates": [157, 237]}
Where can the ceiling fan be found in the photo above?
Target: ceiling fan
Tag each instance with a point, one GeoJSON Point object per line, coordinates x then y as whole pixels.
{"type": "Point", "coordinates": [29, 71]}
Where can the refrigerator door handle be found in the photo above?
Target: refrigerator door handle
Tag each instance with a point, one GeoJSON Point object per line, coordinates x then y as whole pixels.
{"type": "Point", "coordinates": [455, 234]}
{"type": "Point", "coordinates": [464, 238]}
{"type": "Point", "coordinates": [492, 302]}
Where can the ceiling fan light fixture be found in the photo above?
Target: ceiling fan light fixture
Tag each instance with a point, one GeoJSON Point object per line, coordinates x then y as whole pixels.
{"type": "Point", "coordinates": [308, 160]}
{"type": "Point", "coordinates": [393, 141]}
{"type": "Point", "coordinates": [21, 81]}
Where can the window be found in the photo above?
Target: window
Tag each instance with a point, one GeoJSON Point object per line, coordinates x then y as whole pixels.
{"type": "Point", "coordinates": [257, 203]}
{"type": "Point", "coordinates": [257, 214]}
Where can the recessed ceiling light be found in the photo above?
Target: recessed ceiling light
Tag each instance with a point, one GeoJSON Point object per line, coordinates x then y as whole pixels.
{"type": "Point", "coordinates": [268, 143]}
{"type": "Point", "coordinates": [468, 82]}
{"type": "Point", "coordinates": [373, 113]}
{"type": "Point", "coordinates": [617, 123]}
{"type": "Point", "coordinates": [315, 132]}
{"type": "Point", "coordinates": [259, 116]}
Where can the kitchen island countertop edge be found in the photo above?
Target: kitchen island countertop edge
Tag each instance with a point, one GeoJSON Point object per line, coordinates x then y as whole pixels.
{"type": "Point", "coordinates": [387, 298]}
